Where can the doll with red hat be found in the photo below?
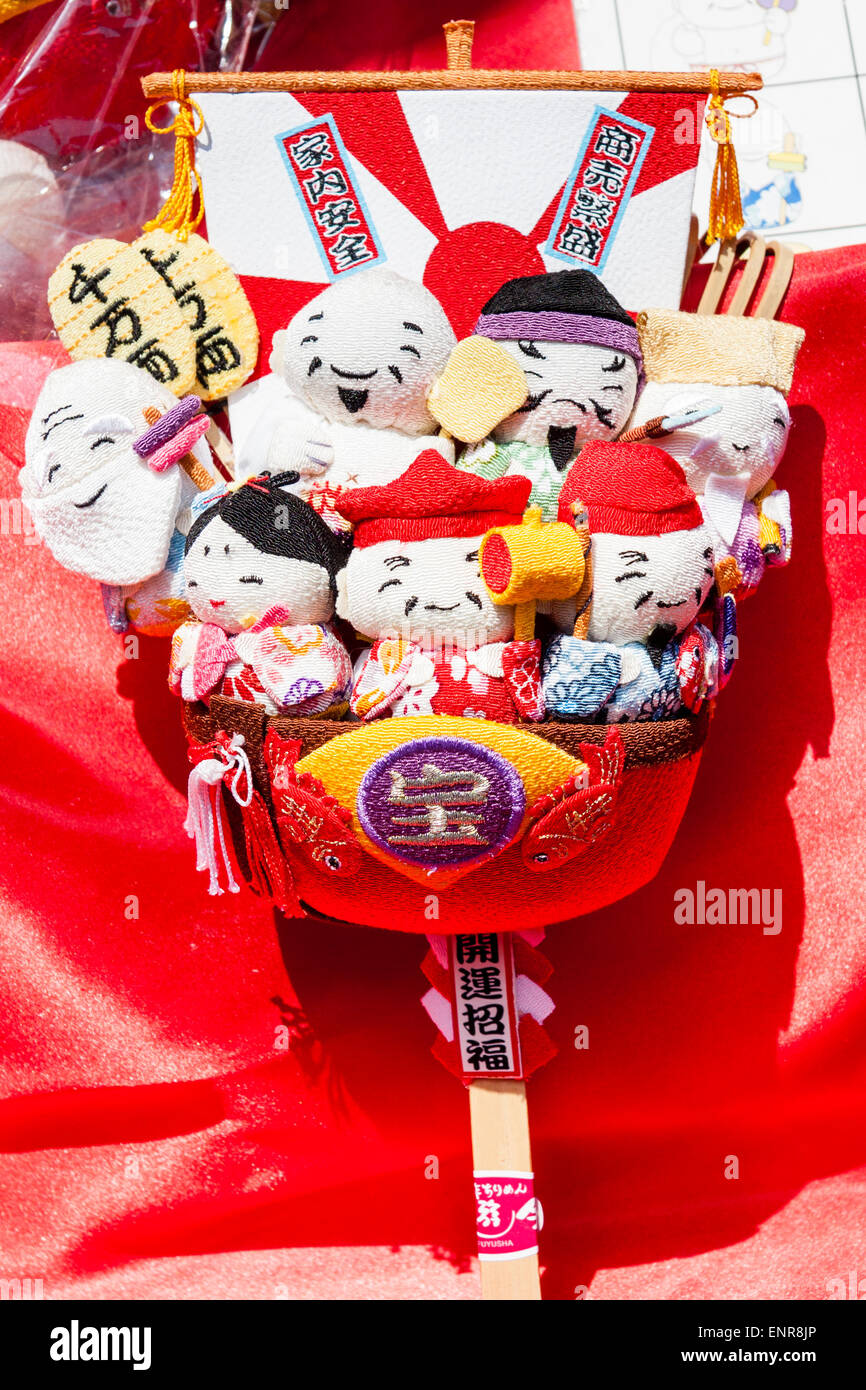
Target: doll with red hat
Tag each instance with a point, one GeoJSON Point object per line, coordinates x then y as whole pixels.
{"type": "Point", "coordinates": [413, 585]}
{"type": "Point", "coordinates": [579, 351]}
{"type": "Point", "coordinates": [645, 654]}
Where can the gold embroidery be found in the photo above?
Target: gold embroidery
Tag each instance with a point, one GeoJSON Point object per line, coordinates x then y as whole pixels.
{"type": "Point", "coordinates": [439, 800]}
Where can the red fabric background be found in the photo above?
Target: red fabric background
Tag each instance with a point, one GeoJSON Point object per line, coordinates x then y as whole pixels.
{"type": "Point", "coordinates": [158, 1145]}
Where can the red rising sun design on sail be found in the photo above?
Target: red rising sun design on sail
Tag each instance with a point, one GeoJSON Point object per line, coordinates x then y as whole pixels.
{"type": "Point", "coordinates": [461, 190]}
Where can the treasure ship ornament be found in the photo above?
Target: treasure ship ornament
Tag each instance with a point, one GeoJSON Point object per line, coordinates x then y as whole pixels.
{"type": "Point", "coordinates": [448, 776]}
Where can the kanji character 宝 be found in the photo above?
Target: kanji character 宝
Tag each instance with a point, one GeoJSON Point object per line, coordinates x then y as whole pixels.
{"type": "Point", "coordinates": [312, 150]}
{"type": "Point", "coordinates": [439, 800]}
{"type": "Point", "coordinates": [618, 142]}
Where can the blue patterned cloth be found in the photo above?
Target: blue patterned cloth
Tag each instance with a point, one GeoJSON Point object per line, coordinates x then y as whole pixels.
{"type": "Point", "coordinates": [583, 680]}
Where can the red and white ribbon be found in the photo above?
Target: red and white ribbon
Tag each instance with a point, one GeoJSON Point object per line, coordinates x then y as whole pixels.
{"type": "Point", "coordinates": [205, 818]}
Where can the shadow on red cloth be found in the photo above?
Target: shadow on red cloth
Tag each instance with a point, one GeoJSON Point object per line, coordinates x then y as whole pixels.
{"type": "Point", "coordinates": [143, 682]}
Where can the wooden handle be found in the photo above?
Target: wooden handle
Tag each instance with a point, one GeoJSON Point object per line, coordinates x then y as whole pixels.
{"type": "Point", "coordinates": [583, 599]}
{"type": "Point", "coordinates": [500, 1143]}
{"type": "Point", "coordinates": [157, 86]}
{"type": "Point", "coordinates": [524, 621]}
{"type": "Point", "coordinates": [459, 34]}
{"type": "Point", "coordinates": [195, 471]}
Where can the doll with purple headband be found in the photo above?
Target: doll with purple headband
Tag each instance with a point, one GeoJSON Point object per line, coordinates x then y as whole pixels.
{"type": "Point", "coordinates": [578, 349]}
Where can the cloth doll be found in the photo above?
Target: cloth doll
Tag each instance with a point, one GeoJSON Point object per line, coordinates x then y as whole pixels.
{"type": "Point", "coordinates": [260, 570]}
{"type": "Point", "coordinates": [645, 655]}
{"type": "Point", "coordinates": [105, 488]}
{"type": "Point", "coordinates": [413, 585]}
{"type": "Point", "coordinates": [353, 371]}
{"type": "Point", "coordinates": [745, 365]}
{"type": "Point", "coordinates": [578, 349]}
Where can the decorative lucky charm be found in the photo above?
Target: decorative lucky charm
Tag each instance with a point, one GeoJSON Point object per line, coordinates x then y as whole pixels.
{"type": "Point", "coordinates": [745, 366]}
{"type": "Point", "coordinates": [169, 304]}
{"type": "Point", "coordinates": [578, 349]}
{"type": "Point", "coordinates": [645, 656]}
{"type": "Point", "coordinates": [354, 369]}
{"type": "Point", "coordinates": [260, 572]}
{"type": "Point", "coordinates": [412, 584]}
{"type": "Point", "coordinates": [112, 463]}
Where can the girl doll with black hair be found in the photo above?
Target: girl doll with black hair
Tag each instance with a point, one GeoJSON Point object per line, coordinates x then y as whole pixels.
{"type": "Point", "coordinates": [260, 572]}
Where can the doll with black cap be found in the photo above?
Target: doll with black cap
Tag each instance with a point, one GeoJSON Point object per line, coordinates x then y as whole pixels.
{"type": "Point", "coordinates": [260, 571]}
{"type": "Point", "coordinates": [579, 351]}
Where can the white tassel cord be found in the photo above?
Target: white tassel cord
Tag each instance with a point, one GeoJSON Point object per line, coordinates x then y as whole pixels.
{"type": "Point", "coordinates": [204, 816]}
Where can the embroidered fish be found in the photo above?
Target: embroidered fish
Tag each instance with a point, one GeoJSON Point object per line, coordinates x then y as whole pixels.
{"type": "Point", "coordinates": [569, 819]}
{"type": "Point", "coordinates": [310, 822]}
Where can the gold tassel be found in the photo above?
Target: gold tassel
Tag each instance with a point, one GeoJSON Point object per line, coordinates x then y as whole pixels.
{"type": "Point", "coordinates": [726, 208]}
{"type": "Point", "coordinates": [179, 214]}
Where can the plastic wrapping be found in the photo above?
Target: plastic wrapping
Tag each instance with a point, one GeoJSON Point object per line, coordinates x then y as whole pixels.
{"type": "Point", "coordinates": [76, 158]}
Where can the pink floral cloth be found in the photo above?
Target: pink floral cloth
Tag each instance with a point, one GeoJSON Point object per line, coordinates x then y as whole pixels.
{"type": "Point", "coordinates": [304, 668]}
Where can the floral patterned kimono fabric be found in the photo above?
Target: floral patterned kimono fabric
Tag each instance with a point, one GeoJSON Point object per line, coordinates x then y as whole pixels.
{"type": "Point", "coordinates": [493, 460]}
{"type": "Point", "coordinates": [302, 668]}
{"type": "Point", "coordinates": [500, 681]}
{"type": "Point", "coordinates": [613, 685]}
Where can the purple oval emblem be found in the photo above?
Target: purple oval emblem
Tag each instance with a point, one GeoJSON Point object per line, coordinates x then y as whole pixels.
{"type": "Point", "coordinates": [441, 803]}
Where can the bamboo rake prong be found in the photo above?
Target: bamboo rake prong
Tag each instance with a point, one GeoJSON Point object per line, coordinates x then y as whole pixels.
{"type": "Point", "coordinates": [718, 278]}
{"type": "Point", "coordinates": [780, 278]}
{"type": "Point", "coordinates": [754, 264]}
{"type": "Point", "coordinates": [758, 251]}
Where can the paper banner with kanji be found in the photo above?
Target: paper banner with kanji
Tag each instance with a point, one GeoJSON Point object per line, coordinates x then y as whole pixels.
{"type": "Point", "coordinates": [459, 189]}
